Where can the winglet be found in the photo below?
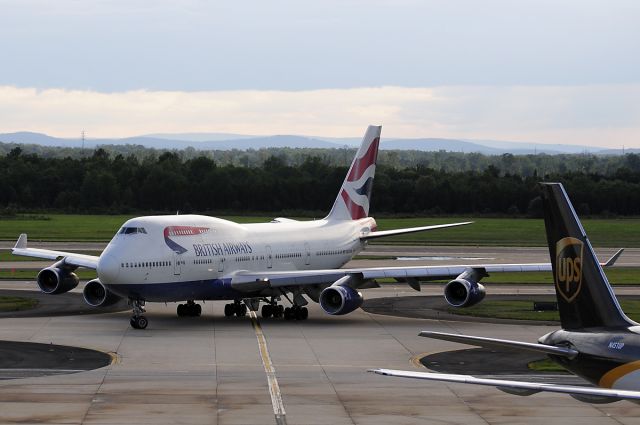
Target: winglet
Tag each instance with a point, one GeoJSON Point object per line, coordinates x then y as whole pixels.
{"type": "Point", "coordinates": [22, 242]}
{"type": "Point", "coordinates": [611, 261]}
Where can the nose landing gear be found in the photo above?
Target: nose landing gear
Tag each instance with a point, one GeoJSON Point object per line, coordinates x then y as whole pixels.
{"type": "Point", "coordinates": [138, 321]}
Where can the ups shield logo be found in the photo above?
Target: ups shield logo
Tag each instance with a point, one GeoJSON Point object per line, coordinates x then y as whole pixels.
{"type": "Point", "coordinates": [569, 267]}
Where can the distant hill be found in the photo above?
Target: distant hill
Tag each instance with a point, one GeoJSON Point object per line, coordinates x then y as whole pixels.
{"type": "Point", "coordinates": [227, 141]}
{"type": "Point", "coordinates": [200, 137]}
{"type": "Point", "coordinates": [268, 142]}
{"type": "Point", "coordinates": [451, 145]}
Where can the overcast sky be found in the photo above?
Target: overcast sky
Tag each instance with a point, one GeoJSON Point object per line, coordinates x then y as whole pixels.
{"type": "Point", "coordinates": [538, 71]}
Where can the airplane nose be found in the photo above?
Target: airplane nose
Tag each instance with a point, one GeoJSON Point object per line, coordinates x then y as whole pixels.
{"type": "Point", "coordinates": [108, 268]}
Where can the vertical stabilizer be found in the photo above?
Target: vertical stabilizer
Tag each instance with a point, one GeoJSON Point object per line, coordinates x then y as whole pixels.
{"type": "Point", "coordinates": [585, 298]}
{"type": "Point", "coordinates": [353, 199]}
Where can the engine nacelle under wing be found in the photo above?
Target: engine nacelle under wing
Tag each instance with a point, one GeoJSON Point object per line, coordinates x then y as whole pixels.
{"type": "Point", "coordinates": [54, 280]}
{"type": "Point", "coordinates": [97, 295]}
{"type": "Point", "coordinates": [463, 292]}
{"type": "Point", "coordinates": [338, 300]}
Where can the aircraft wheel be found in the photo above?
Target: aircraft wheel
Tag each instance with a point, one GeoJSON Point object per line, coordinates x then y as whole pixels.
{"type": "Point", "coordinates": [142, 322]}
{"type": "Point", "coordinates": [303, 313]}
{"type": "Point", "coordinates": [197, 310]}
{"type": "Point", "coordinates": [296, 313]}
{"type": "Point", "coordinates": [280, 311]}
{"type": "Point", "coordinates": [288, 313]}
{"type": "Point", "coordinates": [181, 310]}
{"type": "Point", "coordinates": [228, 310]}
{"type": "Point", "coordinates": [241, 310]}
{"type": "Point", "coordinates": [139, 322]}
{"type": "Point", "coordinates": [267, 311]}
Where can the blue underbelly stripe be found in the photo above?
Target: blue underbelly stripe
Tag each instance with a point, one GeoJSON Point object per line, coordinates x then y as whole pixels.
{"type": "Point", "coordinates": [215, 289]}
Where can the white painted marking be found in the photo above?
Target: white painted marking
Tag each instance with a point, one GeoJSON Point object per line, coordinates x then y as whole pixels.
{"type": "Point", "coordinates": [274, 389]}
{"type": "Point", "coordinates": [442, 258]}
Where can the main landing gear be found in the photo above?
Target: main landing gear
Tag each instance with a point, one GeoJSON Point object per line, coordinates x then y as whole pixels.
{"type": "Point", "coordinates": [272, 310]}
{"type": "Point", "coordinates": [138, 321]}
{"type": "Point", "coordinates": [269, 309]}
{"type": "Point", "coordinates": [190, 309]}
{"type": "Point", "coordinates": [295, 312]}
{"type": "Point", "coordinates": [235, 308]}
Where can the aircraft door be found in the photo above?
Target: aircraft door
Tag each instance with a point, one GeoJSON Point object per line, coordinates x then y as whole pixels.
{"type": "Point", "coordinates": [269, 257]}
{"type": "Point", "coordinates": [177, 265]}
{"type": "Point", "coordinates": [221, 264]}
{"type": "Point", "coordinates": [307, 252]}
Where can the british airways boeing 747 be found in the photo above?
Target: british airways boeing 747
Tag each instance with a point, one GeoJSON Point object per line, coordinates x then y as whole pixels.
{"type": "Point", "coordinates": [193, 257]}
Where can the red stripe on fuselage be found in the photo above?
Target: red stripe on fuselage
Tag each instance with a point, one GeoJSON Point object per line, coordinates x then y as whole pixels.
{"type": "Point", "coordinates": [355, 210]}
{"type": "Point", "coordinates": [361, 164]}
{"type": "Point", "coordinates": [184, 231]}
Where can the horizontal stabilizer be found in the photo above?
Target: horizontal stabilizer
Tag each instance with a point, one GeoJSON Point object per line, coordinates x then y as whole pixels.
{"type": "Point", "coordinates": [514, 387]}
{"type": "Point", "coordinates": [384, 233]}
{"type": "Point", "coordinates": [504, 344]}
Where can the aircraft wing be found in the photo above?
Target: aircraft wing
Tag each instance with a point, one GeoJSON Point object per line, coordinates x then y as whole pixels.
{"type": "Point", "coordinates": [588, 394]}
{"type": "Point", "coordinates": [249, 281]}
{"type": "Point", "coordinates": [314, 277]}
{"type": "Point", "coordinates": [505, 344]}
{"type": "Point", "coordinates": [69, 258]}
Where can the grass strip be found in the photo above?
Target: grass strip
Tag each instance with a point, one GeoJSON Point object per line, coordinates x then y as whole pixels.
{"type": "Point", "coordinates": [30, 274]}
{"type": "Point", "coordinates": [484, 231]}
{"type": "Point", "coordinates": [16, 303]}
{"type": "Point", "coordinates": [523, 310]}
{"type": "Point", "coordinates": [546, 365]}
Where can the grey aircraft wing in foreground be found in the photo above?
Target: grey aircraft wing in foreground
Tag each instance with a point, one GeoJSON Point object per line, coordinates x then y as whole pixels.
{"type": "Point", "coordinates": [597, 342]}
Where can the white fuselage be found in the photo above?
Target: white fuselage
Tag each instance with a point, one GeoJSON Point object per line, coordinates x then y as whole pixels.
{"type": "Point", "coordinates": [193, 252]}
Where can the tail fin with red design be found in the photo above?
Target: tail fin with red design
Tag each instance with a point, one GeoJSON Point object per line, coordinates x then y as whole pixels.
{"type": "Point", "coordinates": [354, 197]}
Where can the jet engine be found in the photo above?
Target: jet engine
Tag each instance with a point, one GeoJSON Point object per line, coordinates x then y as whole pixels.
{"type": "Point", "coordinates": [465, 290]}
{"type": "Point", "coordinates": [54, 280]}
{"type": "Point", "coordinates": [97, 295]}
{"type": "Point", "coordinates": [340, 300]}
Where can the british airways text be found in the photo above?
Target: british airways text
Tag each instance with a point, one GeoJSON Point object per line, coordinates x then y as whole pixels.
{"type": "Point", "coordinates": [215, 249]}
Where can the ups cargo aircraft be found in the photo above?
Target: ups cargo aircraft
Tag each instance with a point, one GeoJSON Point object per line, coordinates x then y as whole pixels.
{"type": "Point", "coordinates": [597, 342]}
{"type": "Point", "coordinates": [192, 257]}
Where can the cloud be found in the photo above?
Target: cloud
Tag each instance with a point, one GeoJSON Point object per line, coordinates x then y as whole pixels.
{"type": "Point", "coordinates": [605, 115]}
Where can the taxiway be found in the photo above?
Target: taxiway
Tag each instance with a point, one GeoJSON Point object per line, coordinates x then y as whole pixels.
{"type": "Point", "coordinates": [213, 370]}
{"type": "Point", "coordinates": [210, 370]}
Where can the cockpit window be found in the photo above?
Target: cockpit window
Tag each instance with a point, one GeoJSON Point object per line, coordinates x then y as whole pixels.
{"type": "Point", "coordinates": [132, 230]}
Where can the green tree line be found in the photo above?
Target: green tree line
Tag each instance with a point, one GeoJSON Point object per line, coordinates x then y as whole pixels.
{"type": "Point", "coordinates": [165, 182]}
{"type": "Point", "coordinates": [524, 165]}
